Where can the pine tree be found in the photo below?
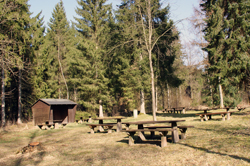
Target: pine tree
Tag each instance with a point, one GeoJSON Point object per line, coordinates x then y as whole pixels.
{"type": "Point", "coordinates": [227, 32]}
{"type": "Point", "coordinates": [93, 26]}
{"type": "Point", "coordinates": [57, 52]}
{"type": "Point", "coordinates": [15, 52]}
{"type": "Point", "coordinates": [128, 71]}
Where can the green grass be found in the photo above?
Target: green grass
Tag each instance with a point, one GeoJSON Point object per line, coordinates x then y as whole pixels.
{"type": "Point", "coordinates": [212, 142]}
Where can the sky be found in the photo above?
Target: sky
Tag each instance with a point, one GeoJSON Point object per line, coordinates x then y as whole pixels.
{"type": "Point", "coordinates": [179, 9]}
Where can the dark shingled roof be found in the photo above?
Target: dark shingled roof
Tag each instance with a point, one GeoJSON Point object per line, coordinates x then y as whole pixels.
{"type": "Point", "coordinates": [58, 101]}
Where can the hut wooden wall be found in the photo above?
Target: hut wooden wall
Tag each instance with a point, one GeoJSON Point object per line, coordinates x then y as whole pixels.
{"type": "Point", "coordinates": [40, 113]}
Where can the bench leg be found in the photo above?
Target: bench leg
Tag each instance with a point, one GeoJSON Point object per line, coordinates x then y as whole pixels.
{"type": "Point", "coordinates": [228, 115]}
{"type": "Point", "coordinates": [205, 116]}
{"type": "Point", "coordinates": [152, 134]}
{"type": "Point", "coordinates": [223, 117]}
{"type": "Point", "coordinates": [127, 126]}
{"type": "Point", "coordinates": [163, 138]}
{"type": "Point", "coordinates": [110, 129]}
{"type": "Point", "coordinates": [141, 136]}
{"type": "Point", "coordinates": [209, 117]}
{"type": "Point", "coordinates": [92, 131]}
{"type": "Point", "coordinates": [183, 133]}
{"type": "Point", "coordinates": [201, 116]}
{"type": "Point", "coordinates": [130, 138]}
{"type": "Point", "coordinates": [100, 127]}
{"type": "Point", "coordinates": [40, 126]}
{"type": "Point", "coordinates": [175, 134]}
{"type": "Point", "coordinates": [56, 126]}
{"type": "Point", "coordinates": [119, 125]}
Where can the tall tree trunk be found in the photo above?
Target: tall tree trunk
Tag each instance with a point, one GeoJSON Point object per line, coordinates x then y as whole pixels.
{"type": "Point", "coordinates": [100, 109]}
{"type": "Point", "coordinates": [180, 97]}
{"type": "Point", "coordinates": [156, 99]}
{"type": "Point", "coordinates": [142, 110]}
{"type": "Point", "coordinates": [58, 55]}
{"type": "Point", "coordinates": [148, 42]}
{"type": "Point", "coordinates": [19, 115]}
{"type": "Point", "coordinates": [168, 96]}
{"type": "Point", "coordinates": [142, 99]}
{"type": "Point", "coordinates": [3, 95]}
{"type": "Point", "coordinates": [221, 95]}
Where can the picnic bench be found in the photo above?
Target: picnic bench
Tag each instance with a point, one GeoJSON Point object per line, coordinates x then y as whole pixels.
{"type": "Point", "coordinates": [108, 125]}
{"type": "Point", "coordinates": [118, 122]}
{"type": "Point", "coordinates": [206, 116]}
{"type": "Point", "coordinates": [84, 120]}
{"type": "Point", "coordinates": [183, 129]}
{"type": "Point", "coordinates": [175, 110]}
{"type": "Point", "coordinates": [162, 133]}
{"type": "Point", "coordinates": [54, 123]}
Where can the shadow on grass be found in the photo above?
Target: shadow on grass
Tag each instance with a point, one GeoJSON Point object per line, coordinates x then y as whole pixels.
{"type": "Point", "coordinates": [229, 130]}
{"type": "Point", "coordinates": [219, 153]}
{"type": "Point", "coordinates": [156, 140]}
{"type": "Point", "coordinates": [41, 153]}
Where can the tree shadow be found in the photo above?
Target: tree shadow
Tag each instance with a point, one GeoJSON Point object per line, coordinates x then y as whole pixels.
{"type": "Point", "coordinates": [41, 152]}
{"type": "Point", "coordinates": [213, 152]}
{"type": "Point", "coordinates": [156, 140]}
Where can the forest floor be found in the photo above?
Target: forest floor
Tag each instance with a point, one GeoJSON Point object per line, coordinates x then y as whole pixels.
{"type": "Point", "coordinates": [212, 142]}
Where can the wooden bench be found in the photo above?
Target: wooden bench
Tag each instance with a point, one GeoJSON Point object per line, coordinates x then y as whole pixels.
{"type": "Point", "coordinates": [54, 123]}
{"type": "Point", "coordinates": [183, 129]}
{"type": "Point", "coordinates": [205, 115]}
{"type": "Point", "coordinates": [162, 133]}
{"type": "Point", "coordinates": [108, 125]}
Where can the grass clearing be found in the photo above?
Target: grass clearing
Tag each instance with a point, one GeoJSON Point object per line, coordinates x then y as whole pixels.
{"type": "Point", "coordinates": [212, 142]}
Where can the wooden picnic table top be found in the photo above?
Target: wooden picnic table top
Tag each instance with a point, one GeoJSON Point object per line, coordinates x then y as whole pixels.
{"type": "Point", "coordinates": [109, 118]}
{"type": "Point", "coordinates": [153, 122]}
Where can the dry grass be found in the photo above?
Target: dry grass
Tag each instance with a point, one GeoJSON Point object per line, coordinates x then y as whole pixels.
{"type": "Point", "coordinates": [213, 142]}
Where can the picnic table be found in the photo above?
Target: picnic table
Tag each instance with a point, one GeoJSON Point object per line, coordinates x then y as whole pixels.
{"type": "Point", "coordinates": [118, 122]}
{"type": "Point", "coordinates": [206, 114]}
{"type": "Point", "coordinates": [140, 124]}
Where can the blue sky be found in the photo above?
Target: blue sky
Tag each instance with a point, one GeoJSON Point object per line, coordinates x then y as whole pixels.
{"type": "Point", "coordinates": [180, 9]}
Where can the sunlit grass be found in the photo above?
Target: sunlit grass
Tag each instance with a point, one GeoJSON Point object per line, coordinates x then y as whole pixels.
{"type": "Point", "coordinates": [212, 142]}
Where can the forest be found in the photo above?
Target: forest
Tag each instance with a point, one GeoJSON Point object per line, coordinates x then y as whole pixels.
{"type": "Point", "coordinates": [110, 61]}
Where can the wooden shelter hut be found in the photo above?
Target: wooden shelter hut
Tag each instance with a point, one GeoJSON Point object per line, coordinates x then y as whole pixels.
{"type": "Point", "coordinates": [51, 111]}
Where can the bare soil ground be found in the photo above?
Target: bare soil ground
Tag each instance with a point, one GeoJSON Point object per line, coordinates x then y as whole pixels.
{"type": "Point", "coordinates": [212, 142]}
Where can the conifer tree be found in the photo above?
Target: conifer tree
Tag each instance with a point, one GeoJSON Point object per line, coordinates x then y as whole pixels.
{"type": "Point", "coordinates": [227, 33]}
{"type": "Point", "coordinates": [93, 26]}
{"type": "Point", "coordinates": [57, 52]}
{"type": "Point", "coordinates": [129, 69]}
{"type": "Point", "coordinates": [15, 49]}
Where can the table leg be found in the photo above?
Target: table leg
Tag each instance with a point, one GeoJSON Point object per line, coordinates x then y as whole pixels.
{"type": "Point", "coordinates": [228, 115]}
{"type": "Point", "coordinates": [119, 125]}
{"type": "Point", "coordinates": [140, 126]}
{"type": "Point", "coordinates": [175, 135]}
{"type": "Point", "coordinates": [100, 127]}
